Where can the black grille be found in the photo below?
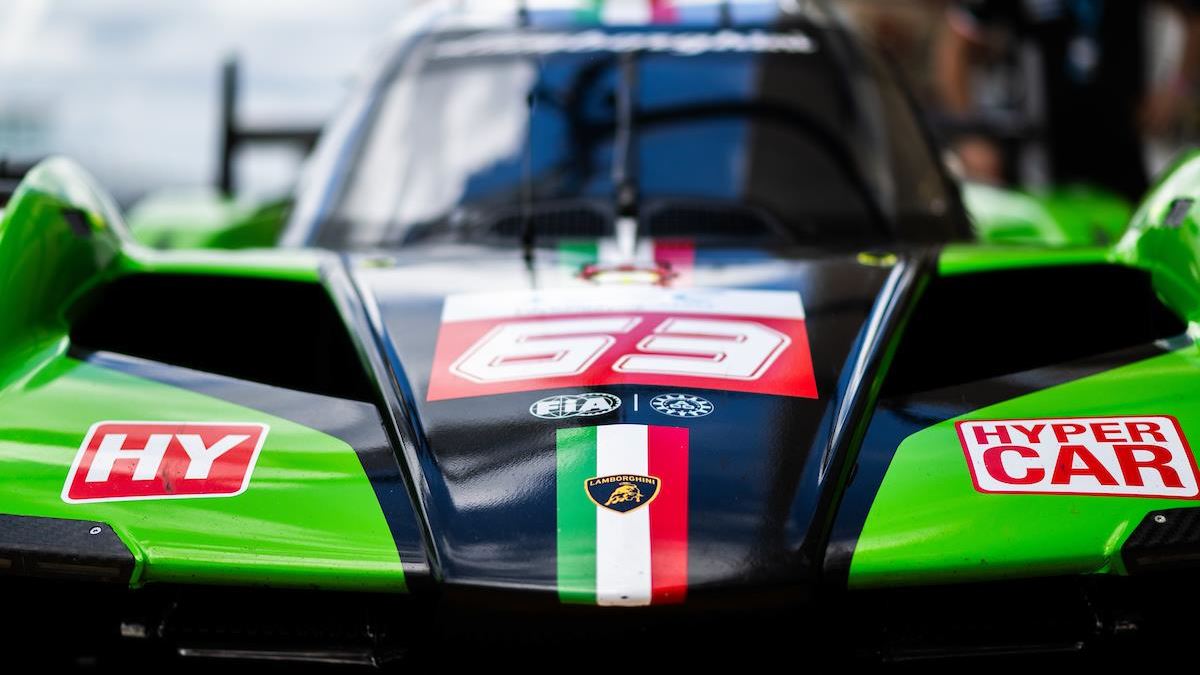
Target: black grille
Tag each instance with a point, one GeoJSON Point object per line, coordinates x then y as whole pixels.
{"type": "Point", "coordinates": [567, 222]}
{"type": "Point", "coordinates": [707, 221]}
{"type": "Point", "coordinates": [1164, 541]}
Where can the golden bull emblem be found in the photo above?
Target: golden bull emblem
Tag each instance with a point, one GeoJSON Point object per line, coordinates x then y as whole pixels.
{"type": "Point", "coordinates": [623, 492]}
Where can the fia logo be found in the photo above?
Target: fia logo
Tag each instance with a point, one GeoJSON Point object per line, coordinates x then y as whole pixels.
{"type": "Point", "coordinates": [574, 405]}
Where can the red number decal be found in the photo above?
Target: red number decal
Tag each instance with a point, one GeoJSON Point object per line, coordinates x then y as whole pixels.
{"type": "Point", "coordinates": [536, 349]}
{"type": "Point", "coordinates": [733, 350]}
{"type": "Point", "coordinates": [476, 358]}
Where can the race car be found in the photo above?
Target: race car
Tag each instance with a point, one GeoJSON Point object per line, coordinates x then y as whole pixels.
{"type": "Point", "coordinates": [618, 333]}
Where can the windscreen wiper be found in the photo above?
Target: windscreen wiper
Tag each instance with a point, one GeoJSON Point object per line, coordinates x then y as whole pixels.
{"type": "Point", "coordinates": [630, 121]}
{"type": "Point", "coordinates": [624, 171]}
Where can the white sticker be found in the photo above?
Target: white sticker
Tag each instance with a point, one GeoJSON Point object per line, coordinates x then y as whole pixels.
{"type": "Point", "coordinates": [1140, 456]}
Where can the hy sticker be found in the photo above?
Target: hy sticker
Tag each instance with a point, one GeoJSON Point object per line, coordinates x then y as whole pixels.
{"type": "Point", "coordinates": [121, 461]}
{"type": "Point", "coordinates": [1135, 456]}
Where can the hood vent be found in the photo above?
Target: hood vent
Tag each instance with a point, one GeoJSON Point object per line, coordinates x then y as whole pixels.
{"type": "Point", "coordinates": [282, 333]}
{"type": "Point", "coordinates": [975, 327]}
{"type": "Point", "coordinates": [704, 220]}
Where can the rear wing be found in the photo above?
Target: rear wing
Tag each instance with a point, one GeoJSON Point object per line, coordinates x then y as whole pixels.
{"type": "Point", "coordinates": [236, 136]}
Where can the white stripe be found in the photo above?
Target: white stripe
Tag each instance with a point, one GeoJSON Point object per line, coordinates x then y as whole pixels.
{"type": "Point", "coordinates": [644, 252]}
{"type": "Point", "coordinates": [622, 539]}
{"type": "Point", "coordinates": [609, 252]}
{"type": "Point", "coordinates": [715, 301]}
{"type": "Point", "coordinates": [635, 12]}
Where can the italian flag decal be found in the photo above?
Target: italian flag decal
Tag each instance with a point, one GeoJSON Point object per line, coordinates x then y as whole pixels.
{"type": "Point", "coordinates": [677, 255]}
{"type": "Point", "coordinates": [628, 11]}
{"type": "Point", "coordinates": [622, 514]}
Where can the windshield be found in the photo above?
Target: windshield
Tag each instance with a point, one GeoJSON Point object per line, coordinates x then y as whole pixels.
{"type": "Point", "coordinates": [732, 133]}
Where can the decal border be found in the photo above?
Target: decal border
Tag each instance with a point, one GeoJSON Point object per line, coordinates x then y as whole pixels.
{"type": "Point", "coordinates": [657, 489]}
{"type": "Point", "coordinates": [87, 441]}
{"type": "Point", "coordinates": [962, 442]}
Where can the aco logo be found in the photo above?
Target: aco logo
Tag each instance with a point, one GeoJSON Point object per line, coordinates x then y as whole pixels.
{"type": "Point", "coordinates": [622, 492]}
{"type": "Point", "coordinates": [574, 405]}
{"type": "Point", "coordinates": [681, 405]}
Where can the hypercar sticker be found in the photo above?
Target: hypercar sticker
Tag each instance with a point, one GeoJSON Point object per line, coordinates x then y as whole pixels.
{"type": "Point", "coordinates": [1142, 456]}
{"type": "Point", "coordinates": [590, 404]}
{"type": "Point", "coordinates": [616, 553]}
{"type": "Point", "coordinates": [121, 461]}
{"type": "Point", "coordinates": [732, 340]}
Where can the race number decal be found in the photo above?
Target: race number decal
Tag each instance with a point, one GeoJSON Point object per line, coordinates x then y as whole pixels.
{"type": "Point", "coordinates": [734, 340]}
{"type": "Point", "coordinates": [1135, 456]}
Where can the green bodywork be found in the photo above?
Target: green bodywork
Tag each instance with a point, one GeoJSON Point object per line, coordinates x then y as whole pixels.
{"type": "Point", "coordinates": [1060, 217]}
{"type": "Point", "coordinates": [928, 524]}
{"type": "Point", "coordinates": [310, 517]}
{"type": "Point", "coordinates": [1170, 249]}
{"type": "Point", "coordinates": [204, 219]}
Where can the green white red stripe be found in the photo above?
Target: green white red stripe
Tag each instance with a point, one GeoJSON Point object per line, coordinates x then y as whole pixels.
{"type": "Point", "coordinates": [628, 11]}
{"type": "Point", "coordinates": [678, 255]}
{"type": "Point", "coordinates": [634, 558]}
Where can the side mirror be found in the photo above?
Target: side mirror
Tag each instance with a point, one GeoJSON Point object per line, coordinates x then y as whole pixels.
{"type": "Point", "coordinates": [1066, 216]}
{"type": "Point", "coordinates": [1164, 236]}
{"type": "Point", "coordinates": [205, 219]}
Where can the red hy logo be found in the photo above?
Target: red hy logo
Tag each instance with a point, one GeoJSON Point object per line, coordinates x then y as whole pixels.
{"type": "Point", "coordinates": [121, 461]}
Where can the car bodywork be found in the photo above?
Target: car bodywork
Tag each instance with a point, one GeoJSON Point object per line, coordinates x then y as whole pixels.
{"type": "Point", "coordinates": [407, 492]}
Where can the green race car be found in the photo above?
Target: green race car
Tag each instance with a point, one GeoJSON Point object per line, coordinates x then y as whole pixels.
{"type": "Point", "coordinates": [652, 328]}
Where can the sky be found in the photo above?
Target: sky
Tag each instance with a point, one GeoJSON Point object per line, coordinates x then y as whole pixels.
{"type": "Point", "coordinates": [130, 87]}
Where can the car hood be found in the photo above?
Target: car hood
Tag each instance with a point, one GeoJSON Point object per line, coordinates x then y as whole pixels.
{"type": "Point", "coordinates": [717, 394]}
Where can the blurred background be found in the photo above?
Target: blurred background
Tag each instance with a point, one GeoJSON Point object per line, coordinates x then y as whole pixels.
{"type": "Point", "coordinates": [131, 87]}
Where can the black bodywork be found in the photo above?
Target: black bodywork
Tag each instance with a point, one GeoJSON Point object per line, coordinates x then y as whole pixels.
{"type": "Point", "coordinates": [780, 485]}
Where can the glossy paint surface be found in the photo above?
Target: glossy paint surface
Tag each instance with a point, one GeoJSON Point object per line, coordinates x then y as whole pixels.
{"type": "Point", "coordinates": [308, 517]}
{"type": "Point", "coordinates": [1164, 236]}
{"type": "Point", "coordinates": [489, 467]}
{"type": "Point", "coordinates": [204, 220]}
{"type": "Point", "coordinates": [852, 486]}
{"type": "Point", "coordinates": [928, 524]}
{"type": "Point", "coordinates": [1058, 217]}
{"type": "Point", "coordinates": [58, 234]}
{"type": "Point", "coordinates": [958, 259]}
